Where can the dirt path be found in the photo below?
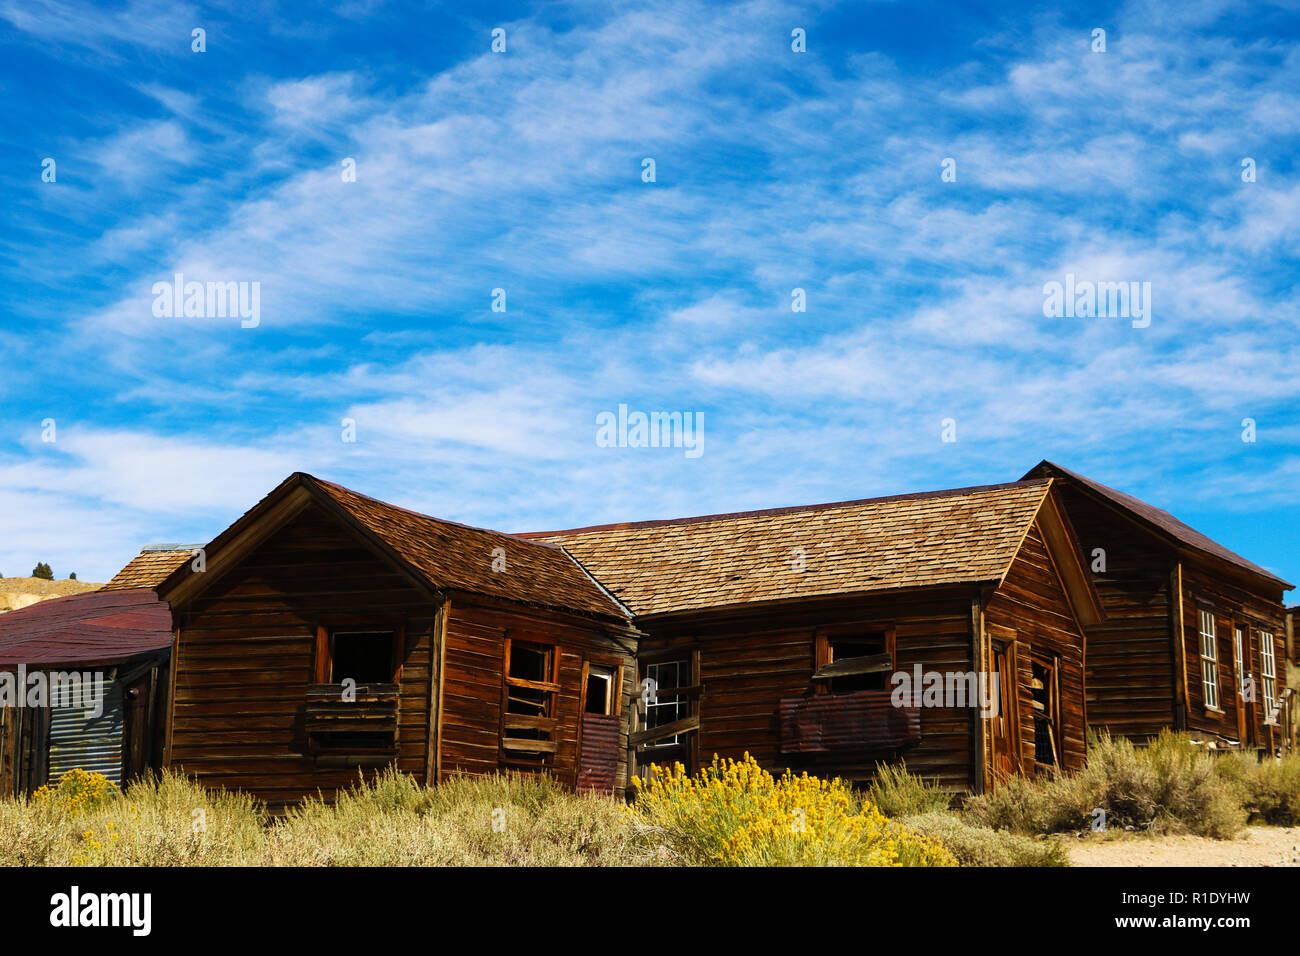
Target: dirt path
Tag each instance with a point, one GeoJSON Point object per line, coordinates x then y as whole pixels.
{"type": "Point", "coordinates": [1258, 846]}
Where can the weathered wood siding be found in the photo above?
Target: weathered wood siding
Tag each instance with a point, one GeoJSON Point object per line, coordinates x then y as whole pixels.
{"type": "Point", "coordinates": [1130, 661]}
{"type": "Point", "coordinates": [1232, 605]}
{"type": "Point", "coordinates": [473, 679]}
{"type": "Point", "coordinates": [245, 653]}
{"type": "Point", "coordinates": [749, 661]}
{"type": "Point", "coordinates": [1032, 603]}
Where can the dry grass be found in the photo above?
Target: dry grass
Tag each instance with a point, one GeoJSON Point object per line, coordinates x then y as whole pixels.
{"type": "Point", "coordinates": [389, 821]}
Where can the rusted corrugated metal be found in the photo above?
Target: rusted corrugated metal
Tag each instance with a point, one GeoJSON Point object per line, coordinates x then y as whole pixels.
{"type": "Point", "coordinates": [865, 721]}
{"type": "Point", "coordinates": [98, 627]}
{"type": "Point", "coordinates": [598, 767]}
{"type": "Point", "coordinates": [78, 740]}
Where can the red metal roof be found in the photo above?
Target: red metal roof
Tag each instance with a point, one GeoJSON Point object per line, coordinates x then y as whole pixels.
{"type": "Point", "coordinates": [95, 628]}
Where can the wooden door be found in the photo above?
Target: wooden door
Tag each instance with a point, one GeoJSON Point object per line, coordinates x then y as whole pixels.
{"type": "Point", "coordinates": [1006, 725]}
{"type": "Point", "coordinates": [1239, 675]}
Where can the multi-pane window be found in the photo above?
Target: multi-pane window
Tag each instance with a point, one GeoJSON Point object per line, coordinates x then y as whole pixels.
{"type": "Point", "coordinates": [1268, 675]}
{"type": "Point", "coordinates": [661, 709]}
{"type": "Point", "coordinates": [1209, 659]}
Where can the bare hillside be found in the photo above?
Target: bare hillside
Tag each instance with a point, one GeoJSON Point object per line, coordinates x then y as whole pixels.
{"type": "Point", "coordinates": [20, 592]}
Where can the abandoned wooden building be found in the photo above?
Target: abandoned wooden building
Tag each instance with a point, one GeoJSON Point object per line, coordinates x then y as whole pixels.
{"type": "Point", "coordinates": [329, 631]}
{"type": "Point", "coordinates": [1193, 636]}
{"type": "Point", "coordinates": [971, 632]}
{"type": "Point", "coordinates": [83, 684]}
{"type": "Point", "coordinates": [779, 633]}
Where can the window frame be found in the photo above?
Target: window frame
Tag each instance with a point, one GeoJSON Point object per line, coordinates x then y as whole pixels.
{"type": "Point", "coordinates": [1210, 661]}
{"type": "Point", "coordinates": [328, 626]}
{"type": "Point", "coordinates": [680, 705]}
{"type": "Point", "coordinates": [1049, 661]}
{"type": "Point", "coordinates": [543, 751]}
{"type": "Point", "coordinates": [1268, 674]}
{"type": "Point", "coordinates": [824, 643]}
{"type": "Point", "coordinates": [615, 668]}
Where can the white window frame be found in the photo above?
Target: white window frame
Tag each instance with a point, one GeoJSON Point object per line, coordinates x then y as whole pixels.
{"type": "Point", "coordinates": [1268, 675]}
{"type": "Point", "coordinates": [604, 673]}
{"type": "Point", "coordinates": [1210, 659]}
{"type": "Point", "coordinates": [679, 706]}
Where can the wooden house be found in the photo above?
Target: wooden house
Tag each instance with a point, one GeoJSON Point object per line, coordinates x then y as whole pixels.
{"type": "Point", "coordinates": [1192, 632]}
{"type": "Point", "coordinates": [326, 631]}
{"type": "Point", "coordinates": [83, 684]}
{"type": "Point", "coordinates": [782, 633]}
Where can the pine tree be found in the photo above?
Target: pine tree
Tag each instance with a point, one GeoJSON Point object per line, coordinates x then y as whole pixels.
{"type": "Point", "coordinates": [43, 571]}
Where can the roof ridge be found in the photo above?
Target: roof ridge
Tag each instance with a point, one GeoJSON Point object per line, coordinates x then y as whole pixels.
{"type": "Point", "coordinates": [790, 509]}
{"type": "Point", "coordinates": [1165, 522]}
{"type": "Point", "coordinates": [428, 517]}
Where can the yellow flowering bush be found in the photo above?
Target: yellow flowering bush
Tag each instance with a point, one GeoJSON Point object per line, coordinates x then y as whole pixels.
{"type": "Point", "coordinates": [735, 813]}
{"type": "Point", "coordinates": [78, 791]}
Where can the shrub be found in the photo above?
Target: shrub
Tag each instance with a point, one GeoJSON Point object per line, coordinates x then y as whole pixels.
{"type": "Point", "coordinates": [77, 792]}
{"type": "Point", "coordinates": [1168, 786]}
{"type": "Point", "coordinates": [983, 846]}
{"type": "Point", "coordinates": [898, 793]}
{"type": "Point", "coordinates": [735, 813]}
{"type": "Point", "coordinates": [1269, 789]}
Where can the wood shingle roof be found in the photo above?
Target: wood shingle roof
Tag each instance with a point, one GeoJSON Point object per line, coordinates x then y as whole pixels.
{"type": "Point", "coordinates": [965, 535]}
{"type": "Point", "coordinates": [150, 567]}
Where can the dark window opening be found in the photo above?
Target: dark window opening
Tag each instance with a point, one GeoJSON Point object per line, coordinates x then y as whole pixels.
{"type": "Point", "coordinates": [367, 657]}
{"type": "Point", "coordinates": [530, 662]}
{"type": "Point", "coordinates": [530, 697]}
{"type": "Point", "coordinates": [600, 690]}
{"type": "Point", "coordinates": [858, 645]}
{"type": "Point", "coordinates": [1046, 714]}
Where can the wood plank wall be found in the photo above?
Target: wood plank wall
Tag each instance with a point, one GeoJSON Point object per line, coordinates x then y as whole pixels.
{"type": "Point", "coordinates": [749, 661]}
{"type": "Point", "coordinates": [245, 653]}
{"type": "Point", "coordinates": [473, 677]}
{"type": "Point", "coordinates": [1032, 603]}
{"type": "Point", "coordinates": [1131, 668]}
{"type": "Point", "coordinates": [1232, 605]}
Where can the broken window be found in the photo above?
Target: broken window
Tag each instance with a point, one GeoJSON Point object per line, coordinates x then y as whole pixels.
{"type": "Point", "coordinates": [531, 685]}
{"type": "Point", "coordinates": [662, 708]}
{"type": "Point", "coordinates": [1209, 659]}
{"type": "Point", "coordinates": [1045, 700]}
{"type": "Point", "coordinates": [351, 711]}
{"type": "Point", "coordinates": [854, 660]}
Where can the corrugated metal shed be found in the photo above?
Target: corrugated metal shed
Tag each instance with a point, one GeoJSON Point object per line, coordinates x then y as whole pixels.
{"type": "Point", "coordinates": [91, 743]}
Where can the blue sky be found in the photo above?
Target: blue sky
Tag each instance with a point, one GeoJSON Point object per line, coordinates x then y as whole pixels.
{"type": "Point", "coordinates": [522, 171]}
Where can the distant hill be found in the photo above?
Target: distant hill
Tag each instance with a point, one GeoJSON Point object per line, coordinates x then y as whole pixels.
{"type": "Point", "coordinates": [20, 592]}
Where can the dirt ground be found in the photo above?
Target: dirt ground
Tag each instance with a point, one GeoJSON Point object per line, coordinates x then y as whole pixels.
{"type": "Point", "coordinates": [1258, 846]}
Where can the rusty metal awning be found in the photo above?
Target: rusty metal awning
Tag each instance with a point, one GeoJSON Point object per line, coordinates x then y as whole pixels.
{"type": "Point", "coordinates": [862, 722]}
